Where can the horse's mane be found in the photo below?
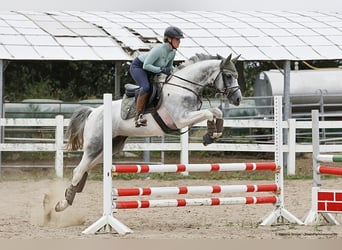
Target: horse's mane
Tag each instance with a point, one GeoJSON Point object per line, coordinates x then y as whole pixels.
{"type": "Point", "coordinates": [196, 58]}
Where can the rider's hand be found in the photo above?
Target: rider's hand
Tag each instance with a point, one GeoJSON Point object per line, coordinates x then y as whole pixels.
{"type": "Point", "coordinates": [165, 70]}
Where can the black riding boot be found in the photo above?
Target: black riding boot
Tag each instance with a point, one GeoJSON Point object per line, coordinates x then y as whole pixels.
{"type": "Point", "coordinates": [140, 120]}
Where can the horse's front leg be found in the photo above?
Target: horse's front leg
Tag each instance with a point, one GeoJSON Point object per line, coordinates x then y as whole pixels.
{"type": "Point", "coordinates": [214, 123]}
{"type": "Point", "coordinates": [214, 127]}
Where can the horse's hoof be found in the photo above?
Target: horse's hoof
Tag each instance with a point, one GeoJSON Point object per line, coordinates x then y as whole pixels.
{"type": "Point", "coordinates": [207, 139]}
{"type": "Point", "coordinates": [61, 206]}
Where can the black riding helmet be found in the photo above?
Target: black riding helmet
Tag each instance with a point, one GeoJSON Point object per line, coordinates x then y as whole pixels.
{"type": "Point", "coordinates": [173, 32]}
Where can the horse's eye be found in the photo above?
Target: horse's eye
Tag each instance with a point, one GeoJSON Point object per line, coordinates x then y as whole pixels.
{"type": "Point", "coordinates": [228, 77]}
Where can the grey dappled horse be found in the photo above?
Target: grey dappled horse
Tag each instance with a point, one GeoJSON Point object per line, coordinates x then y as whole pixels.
{"type": "Point", "coordinates": [179, 108]}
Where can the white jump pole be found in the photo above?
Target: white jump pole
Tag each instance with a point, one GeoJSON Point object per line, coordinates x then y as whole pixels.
{"type": "Point", "coordinates": [107, 222]}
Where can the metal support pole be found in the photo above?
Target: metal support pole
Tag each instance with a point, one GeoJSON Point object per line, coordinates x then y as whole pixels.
{"type": "Point", "coordinates": [287, 103]}
{"type": "Point", "coordinates": [315, 147]}
{"type": "Point", "coordinates": [117, 80]}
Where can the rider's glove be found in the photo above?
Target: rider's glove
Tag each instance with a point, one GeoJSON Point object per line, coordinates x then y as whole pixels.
{"type": "Point", "coordinates": [165, 70]}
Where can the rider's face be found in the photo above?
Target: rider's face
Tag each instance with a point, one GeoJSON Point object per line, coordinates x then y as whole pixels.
{"type": "Point", "coordinates": [175, 42]}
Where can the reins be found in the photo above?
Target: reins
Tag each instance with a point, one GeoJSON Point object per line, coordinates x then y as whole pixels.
{"type": "Point", "coordinates": [226, 91]}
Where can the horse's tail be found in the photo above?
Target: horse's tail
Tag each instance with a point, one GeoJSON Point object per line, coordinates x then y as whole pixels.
{"type": "Point", "coordinates": [75, 129]}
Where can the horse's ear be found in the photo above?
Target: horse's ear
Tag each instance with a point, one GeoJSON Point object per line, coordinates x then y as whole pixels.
{"type": "Point", "coordinates": [234, 60]}
{"type": "Point", "coordinates": [226, 62]}
{"type": "Point", "coordinates": [219, 57]}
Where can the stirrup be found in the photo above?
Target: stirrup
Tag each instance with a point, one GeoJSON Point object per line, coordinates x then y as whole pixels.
{"type": "Point", "coordinates": [140, 121]}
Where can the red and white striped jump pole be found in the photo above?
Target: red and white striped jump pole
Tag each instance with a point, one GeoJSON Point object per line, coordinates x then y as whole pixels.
{"type": "Point", "coordinates": [145, 191]}
{"type": "Point", "coordinates": [329, 170]}
{"type": "Point", "coordinates": [172, 168]}
{"type": "Point", "coordinates": [133, 204]}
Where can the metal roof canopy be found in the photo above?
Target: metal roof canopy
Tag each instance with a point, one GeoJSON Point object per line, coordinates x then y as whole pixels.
{"type": "Point", "coordinates": [111, 35]}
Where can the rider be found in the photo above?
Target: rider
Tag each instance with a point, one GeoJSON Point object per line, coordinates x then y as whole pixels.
{"type": "Point", "coordinates": [158, 60]}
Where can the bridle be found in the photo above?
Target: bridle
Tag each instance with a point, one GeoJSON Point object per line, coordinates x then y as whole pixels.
{"type": "Point", "coordinates": [226, 91]}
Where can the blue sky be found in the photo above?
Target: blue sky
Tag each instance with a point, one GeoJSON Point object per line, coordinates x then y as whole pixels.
{"type": "Point", "coordinates": [155, 5]}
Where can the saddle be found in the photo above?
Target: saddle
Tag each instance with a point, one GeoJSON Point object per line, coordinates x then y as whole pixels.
{"type": "Point", "coordinates": [131, 95]}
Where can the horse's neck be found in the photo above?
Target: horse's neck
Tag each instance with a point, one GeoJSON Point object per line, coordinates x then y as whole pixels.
{"type": "Point", "coordinates": [202, 72]}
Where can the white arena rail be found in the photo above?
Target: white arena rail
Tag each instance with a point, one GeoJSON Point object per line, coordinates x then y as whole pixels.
{"type": "Point", "coordinates": [183, 146]}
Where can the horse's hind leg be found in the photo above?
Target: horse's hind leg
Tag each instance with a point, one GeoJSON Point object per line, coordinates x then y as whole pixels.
{"type": "Point", "coordinates": [80, 175]}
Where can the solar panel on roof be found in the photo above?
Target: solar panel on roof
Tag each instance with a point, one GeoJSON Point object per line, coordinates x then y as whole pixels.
{"type": "Point", "coordinates": [303, 32]}
{"type": "Point", "coordinates": [246, 32]}
{"type": "Point", "coordinates": [316, 40]}
{"type": "Point", "coordinates": [328, 51]}
{"type": "Point", "coordinates": [132, 42]}
{"type": "Point", "coordinates": [100, 41]}
{"type": "Point", "coordinates": [208, 41]}
{"type": "Point", "coordinates": [81, 53]}
{"type": "Point", "coordinates": [7, 31]}
{"type": "Point", "coordinates": [188, 42]}
{"type": "Point", "coordinates": [70, 41]}
{"type": "Point", "coordinates": [225, 32]}
{"type": "Point", "coordinates": [22, 24]}
{"type": "Point", "coordinates": [30, 31]}
{"type": "Point", "coordinates": [281, 52]}
{"type": "Point", "coordinates": [236, 41]}
{"type": "Point", "coordinates": [262, 41]}
{"type": "Point", "coordinates": [13, 40]}
{"type": "Point", "coordinates": [88, 32]}
{"type": "Point", "coordinates": [304, 52]}
{"type": "Point", "coordinates": [276, 32]}
{"type": "Point", "coordinates": [251, 53]}
{"type": "Point", "coordinates": [107, 35]}
{"type": "Point", "coordinates": [107, 53]}
{"type": "Point", "coordinates": [335, 39]}
{"type": "Point", "coordinates": [289, 41]}
{"type": "Point", "coordinates": [223, 51]}
{"type": "Point", "coordinates": [189, 52]}
{"type": "Point", "coordinates": [52, 53]}
{"type": "Point", "coordinates": [197, 33]}
{"type": "Point", "coordinates": [4, 53]}
{"type": "Point", "coordinates": [326, 31]}
{"type": "Point", "coordinates": [22, 52]}
{"type": "Point", "coordinates": [41, 40]}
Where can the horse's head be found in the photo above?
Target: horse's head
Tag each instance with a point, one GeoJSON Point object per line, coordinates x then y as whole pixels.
{"type": "Point", "coordinates": [227, 82]}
